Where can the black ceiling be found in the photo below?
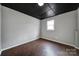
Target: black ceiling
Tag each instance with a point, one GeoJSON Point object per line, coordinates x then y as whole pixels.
{"type": "Point", "coordinates": [42, 12]}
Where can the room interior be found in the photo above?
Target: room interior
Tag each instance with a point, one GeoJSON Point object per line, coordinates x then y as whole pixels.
{"type": "Point", "coordinates": [28, 29]}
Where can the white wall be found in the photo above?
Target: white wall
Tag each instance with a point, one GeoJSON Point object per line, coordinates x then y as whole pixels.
{"type": "Point", "coordinates": [18, 28]}
{"type": "Point", "coordinates": [65, 25]}
{"type": "Point", "coordinates": [78, 29]}
{"type": "Point", "coordinates": [0, 28]}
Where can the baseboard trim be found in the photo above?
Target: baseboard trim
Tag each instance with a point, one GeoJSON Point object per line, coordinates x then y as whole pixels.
{"type": "Point", "coordinates": [62, 43]}
{"type": "Point", "coordinates": [76, 47]}
{"type": "Point", "coordinates": [45, 39]}
{"type": "Point", "coordinates": [17, 45]}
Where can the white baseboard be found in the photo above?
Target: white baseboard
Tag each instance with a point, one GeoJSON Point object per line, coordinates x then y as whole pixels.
{"type": "Point", "coordinates": [17, 45]}
{"type": "Point", "coordinates": [76, 47]}
{"type": "Point", "coordinates": [62, 42]}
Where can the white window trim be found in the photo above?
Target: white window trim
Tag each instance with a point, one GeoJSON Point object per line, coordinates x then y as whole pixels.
{"type": "Point", "coordinates": [50, 25]}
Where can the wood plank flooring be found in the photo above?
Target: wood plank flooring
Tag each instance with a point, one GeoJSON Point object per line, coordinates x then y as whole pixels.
{"type": "Point", "coordinates": [42, 47]}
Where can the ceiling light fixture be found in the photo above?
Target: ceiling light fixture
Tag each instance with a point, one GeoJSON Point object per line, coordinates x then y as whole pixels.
{"type": "Point", "coordinates": [40, 4]}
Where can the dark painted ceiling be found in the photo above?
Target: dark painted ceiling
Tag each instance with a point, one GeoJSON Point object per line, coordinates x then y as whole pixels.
{"type": "Point", "coordinates": [42, 12]}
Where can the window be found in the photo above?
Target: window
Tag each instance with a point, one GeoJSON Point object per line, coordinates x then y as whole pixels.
{"type": "Point", "coordinates": [50, 25]}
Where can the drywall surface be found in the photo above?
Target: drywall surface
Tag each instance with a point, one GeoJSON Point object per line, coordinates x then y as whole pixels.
{"type": "Point", "coordinates": [0, 28]}
{"type": "Point", "coordinates": [78, 28]}
{"type": "Point", "coordinates": [65, 25]}
{"type": "Point", "coordinates": [18, 28]}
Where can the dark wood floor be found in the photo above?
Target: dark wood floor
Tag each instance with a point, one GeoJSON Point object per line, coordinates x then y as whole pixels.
{"type": "Point", "coordinates": [41, 47]}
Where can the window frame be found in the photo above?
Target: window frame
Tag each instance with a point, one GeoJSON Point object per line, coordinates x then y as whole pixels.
{"type": "Point", "coordinates": [51, 25]}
